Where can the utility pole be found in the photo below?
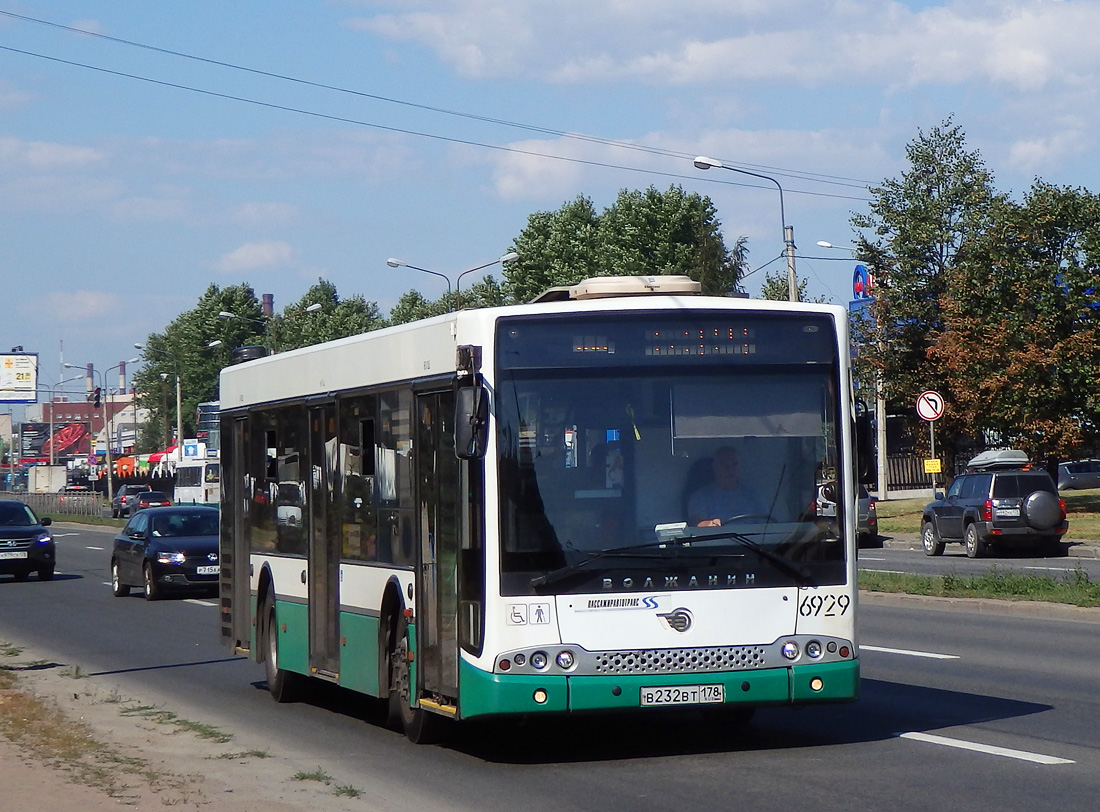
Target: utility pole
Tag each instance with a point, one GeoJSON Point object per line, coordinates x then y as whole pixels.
{"type": "Point", "coordinates": [792, 279]}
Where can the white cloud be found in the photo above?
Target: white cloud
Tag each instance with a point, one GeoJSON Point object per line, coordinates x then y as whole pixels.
{"type": "Point", "coordinates": [1025, 44]}
{"type": "Point", "coordinates": [256, 256]}
{"type": "Point", "coordinates": [38, 155]}
{"type": "Point", "coordinates": [78, 305]}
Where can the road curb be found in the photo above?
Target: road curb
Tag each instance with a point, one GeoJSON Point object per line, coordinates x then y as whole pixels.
{"type": "Point", "coordinates": [1020, 608]}
{"type": "Point", "coordinates": [1077, 548]}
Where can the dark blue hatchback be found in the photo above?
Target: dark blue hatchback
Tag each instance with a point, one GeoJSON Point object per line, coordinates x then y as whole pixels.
{"type": "Point", "coordinates": [26, 545]}
{"type": "Point", "coordinates": [167, 549]}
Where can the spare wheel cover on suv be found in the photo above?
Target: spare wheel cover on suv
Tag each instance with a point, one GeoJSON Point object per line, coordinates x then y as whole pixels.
{"type": "Point", "coordinates": [1042, 511]}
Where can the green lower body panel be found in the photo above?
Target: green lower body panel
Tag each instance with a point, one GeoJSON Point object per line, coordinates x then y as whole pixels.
{"type": "Point", "coordinates": [293, 622]}
{"type": "Point", "coordinates": [359, 653]}
{"type": "Point", "coordinates": [484, 694]}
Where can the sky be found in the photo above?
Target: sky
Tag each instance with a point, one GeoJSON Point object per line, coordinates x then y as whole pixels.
{"type": "Point", "coordinates": [148, 150]}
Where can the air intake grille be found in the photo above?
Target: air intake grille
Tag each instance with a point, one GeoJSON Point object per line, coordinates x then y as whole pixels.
{"type": "Point", "coordinates": [679, 660]}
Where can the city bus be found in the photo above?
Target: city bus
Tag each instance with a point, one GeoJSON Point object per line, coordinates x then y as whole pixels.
{"type": "Point", "coordinates": [486, 513]}
{"type": "Point", "coordinates": [198, 481]}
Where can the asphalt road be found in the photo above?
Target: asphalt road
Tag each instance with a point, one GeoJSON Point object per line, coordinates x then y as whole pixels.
{"type": "Point", "coordinates": [901, 557]}
{"type": "Point", "coordinates": [958, 711]}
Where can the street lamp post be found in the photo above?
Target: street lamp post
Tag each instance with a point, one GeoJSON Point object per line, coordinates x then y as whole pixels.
{"type": "Point", "coordinates": [271, 322]}
{"type": "Point", "coordinates": [397, 263]}
{"type": "Point", "coordinates": [107, 419]}
{"type": "Point", "coordinates": [703, 162]}
{"type": "Point", "coordinates": [179, 396]}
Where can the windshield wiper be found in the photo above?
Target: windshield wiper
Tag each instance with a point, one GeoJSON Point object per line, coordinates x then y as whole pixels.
{"type": "Point", "coordinates": [800, 573]}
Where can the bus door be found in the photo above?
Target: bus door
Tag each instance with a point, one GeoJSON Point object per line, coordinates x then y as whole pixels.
{"type": "Point", "coordinates": [438, 500]}
{"type": "Point", "coordinates": [235, 542]}
{"type": "Point", "coordinates": [324, 543]}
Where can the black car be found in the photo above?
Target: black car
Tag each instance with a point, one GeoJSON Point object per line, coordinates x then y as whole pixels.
{"type": "Point", "coordinates": [148, 499]}
{"type": "Point", "coordinates": [167, 549]}
{"type": "Point", "coordinates": [26, 545]}
{"type": "Point", "coordinates": [123, 498]}
{"type": "Point", "coordinates": [999, 500]}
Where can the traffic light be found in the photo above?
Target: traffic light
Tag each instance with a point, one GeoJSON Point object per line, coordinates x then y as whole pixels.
{"type": "Point", "coordinates": [98, 397]}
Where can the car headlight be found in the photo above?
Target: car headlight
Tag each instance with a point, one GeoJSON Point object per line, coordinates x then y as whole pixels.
{"type": "Point", "coordinates": [44, 537]}
{"type": "Point", "coordinates": [170, 558]}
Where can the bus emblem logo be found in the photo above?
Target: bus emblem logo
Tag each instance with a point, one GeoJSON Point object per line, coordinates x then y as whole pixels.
{"type": "Point", "coordinates": [678, 620]}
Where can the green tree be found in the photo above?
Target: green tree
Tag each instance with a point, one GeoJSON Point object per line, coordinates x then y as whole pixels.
{"type": "Point", "coordinates": [917, 229]}
{"type": "Point", "coordinates": [555, 248]}
{"type": "Point", "coordinates": [183, 348]}
{"type": "Point", "coordinates": [644, 232]}
{"type": "Point", "coordinates": [777, 288]}
{"type": "Point", "coordinates": [337, 318]}
{"type": "Point", "coordinates": [1019, 347]}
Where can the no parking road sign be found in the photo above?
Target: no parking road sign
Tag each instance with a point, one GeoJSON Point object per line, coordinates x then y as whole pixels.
{"type": "Point", "coordinates": [930, 406]}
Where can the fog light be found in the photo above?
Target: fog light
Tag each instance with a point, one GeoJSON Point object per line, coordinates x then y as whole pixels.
{"type": "Point", "coordinates": [565, 660]}
{"type": "Point", "coordinates": [790, 650]}
{"type": "Point", "coordinates": [816, 684]}
{"type": "Point", "coordinates": [539, 660]}
{"type": "Point", "coordinates": [520, 659]}
{"type": "Point", "coordinates": [813, 649]}
{"type": "Point", "coordinates": [540, 696]}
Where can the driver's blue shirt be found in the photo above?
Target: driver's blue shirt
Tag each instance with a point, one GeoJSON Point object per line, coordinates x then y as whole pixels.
{"type": "Point", "coordinates": [712, 502]}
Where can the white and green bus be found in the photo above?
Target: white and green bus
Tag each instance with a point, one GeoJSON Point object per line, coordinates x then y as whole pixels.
{"type": "Point", "coordinates": [488, 512]}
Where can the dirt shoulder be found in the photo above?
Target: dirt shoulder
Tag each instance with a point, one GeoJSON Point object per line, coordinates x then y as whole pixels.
{"type": "Point", "coordinates": [66, 743]}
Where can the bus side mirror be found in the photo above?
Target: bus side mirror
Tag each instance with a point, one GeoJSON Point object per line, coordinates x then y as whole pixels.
{"type": "Point", "coordinates": [471, 422]}
{"type": "Point", "coordinates": [865, 445]}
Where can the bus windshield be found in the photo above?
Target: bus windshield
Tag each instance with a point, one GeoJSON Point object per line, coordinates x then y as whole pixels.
{"type": "Point", "coordinates": [636, 455]}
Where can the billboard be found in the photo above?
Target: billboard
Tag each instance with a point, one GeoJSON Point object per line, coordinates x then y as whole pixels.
{"type": "Point", "coordinates": [69, 439]}
{"type": "Point", "coordinates": [18, 377]}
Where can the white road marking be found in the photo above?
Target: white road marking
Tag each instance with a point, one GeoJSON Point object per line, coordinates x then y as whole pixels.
{"type": "Point", "coordinates": [865, 558]}
{"type": "Point", "coordinates": [908, 653]}
{"type": "Point", "coordinates": [1022, 755]}
{"type": "Point", "coordinates": [198, 602]}
{"type": "Point", "coordinates": [62, 535]}
{"type": "Point", "coordinates": [1050, 569]}
{"type": "Point", "coordinates": [96, 548]}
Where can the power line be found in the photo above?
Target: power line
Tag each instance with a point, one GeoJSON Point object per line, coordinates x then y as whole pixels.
{"type": "Point", "coordinates": [836, 180]}
{"type": "Point", "coordinates": [400, 130]}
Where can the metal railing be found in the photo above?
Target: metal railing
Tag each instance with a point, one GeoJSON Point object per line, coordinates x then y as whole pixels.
{"type": "Point", "coordinates": [52, 504]}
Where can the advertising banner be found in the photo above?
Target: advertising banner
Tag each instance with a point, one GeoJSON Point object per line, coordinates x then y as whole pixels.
{"type": "Point", "coordinates": [18, 377]}
{"type": "Point", "coordinates": [69, 440]}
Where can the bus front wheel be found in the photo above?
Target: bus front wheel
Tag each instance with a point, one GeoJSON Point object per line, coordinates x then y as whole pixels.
{"type": "Point", "coordinates": [420, 726]}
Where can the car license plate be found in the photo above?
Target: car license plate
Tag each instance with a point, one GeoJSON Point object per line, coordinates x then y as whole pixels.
{"type": "Point", "coordinates": [1007, 513]}
{"type": "Point", "coordinates": [207, 570]}
{"type": "Point", "coordinates": [9, 554]}
{"type": "Point", "coordinates": [683, 695]}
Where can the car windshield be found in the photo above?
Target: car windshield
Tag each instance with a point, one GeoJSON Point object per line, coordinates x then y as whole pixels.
{"type": "Point", "coordinates": [16, 514]}
{"type": "Point", "coordinates": [624, 473]}
{"type": "Point", "coordinates": [186, 524]}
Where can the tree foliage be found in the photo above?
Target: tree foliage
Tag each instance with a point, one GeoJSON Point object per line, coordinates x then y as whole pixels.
{"type": "Point", "coordinates": [1020, 344]}
{"type": "Point", "coordinates": [642, 233]}
{"type": "Point", "coordinates": [185, 346]}
{"type": "Point", "coordinates": [917, 229]}
{"type": "Point", "coordinates": [777, 288]}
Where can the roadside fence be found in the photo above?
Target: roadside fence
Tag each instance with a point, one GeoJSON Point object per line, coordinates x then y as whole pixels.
{"type": "Point", "coordinates": [48, 504]}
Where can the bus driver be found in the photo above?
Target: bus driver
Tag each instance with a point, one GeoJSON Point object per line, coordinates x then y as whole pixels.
{"type": "Point", "coordinates": [725, 496]}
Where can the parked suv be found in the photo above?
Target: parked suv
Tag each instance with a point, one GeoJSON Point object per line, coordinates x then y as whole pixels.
{"type": "Point", "coordinates": [999, 500]}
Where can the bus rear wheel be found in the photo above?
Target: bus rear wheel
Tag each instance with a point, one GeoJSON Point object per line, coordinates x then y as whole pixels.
{"type": "Point", "coordinates": [285, 686]}
{"type": "Point", "coordinates": [420, 726]}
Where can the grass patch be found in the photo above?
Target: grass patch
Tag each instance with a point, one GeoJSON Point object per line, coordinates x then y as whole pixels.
{"type": "Point", "coordinates": [316, 775]}
{"type": "Point", "coordinates": [348, 790]}
{"type": "Point", "coordinates": [164, 717]}
{"type": "Point", "coordinates": [243, 754]}
{"type": "Point", "coordinates": [1074, 588]}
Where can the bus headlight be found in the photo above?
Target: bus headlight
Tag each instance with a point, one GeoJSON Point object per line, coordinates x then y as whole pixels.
{"type": "Point", "coordinates": [565, 660]}
{"type": "Point", "coordinates": [539, 660]}
{"type": "Point", "coordinates": [813, 649]}
{"type": "Point", "coordinates": [790, 650]}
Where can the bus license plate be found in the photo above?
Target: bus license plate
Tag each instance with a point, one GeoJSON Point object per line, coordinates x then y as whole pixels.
{"type": "Point", "coordinates": [13, 554]}
{"type": "Point", "coordinates": [207, 570]}
{"type": "Point", "coordinates": [683, 695]}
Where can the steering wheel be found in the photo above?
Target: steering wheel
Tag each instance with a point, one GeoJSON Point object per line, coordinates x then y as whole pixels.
{"type": "Point", "coordinates": [740, 517]}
